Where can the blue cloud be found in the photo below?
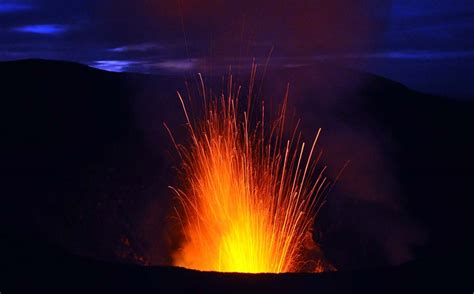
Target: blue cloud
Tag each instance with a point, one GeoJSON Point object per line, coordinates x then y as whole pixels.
{"type": "Point", "coordinates": [13, 7]}
{"type": "Point", "coordinates": [147, 65]}
{"type": "Point", "coordinates": [43, 29]}
{"type": "Point", "coordinates": [114, 65]}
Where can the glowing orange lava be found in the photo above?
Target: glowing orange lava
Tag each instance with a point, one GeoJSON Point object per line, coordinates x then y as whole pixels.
{"type": "Point", "coordinates": [249, 197]}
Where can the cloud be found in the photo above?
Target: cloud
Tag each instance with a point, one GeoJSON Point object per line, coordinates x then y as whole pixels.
{"type": "Point", "coordinates": [143, 47]}
{"type": "Point", "coordinates": [115, 65]}
{"type": "Point", "coordinates": [14, 7]}
{"type": "Point", "coordinates": [426, 8]}
{"type": "Point", "coordinates": [43, 29]}
{"type": "Point", "coordinates": [150, 66]}
{"type": "Point", "coordinates": [420, 55]}
{"type": "Point", "coordinates": [177, 64]}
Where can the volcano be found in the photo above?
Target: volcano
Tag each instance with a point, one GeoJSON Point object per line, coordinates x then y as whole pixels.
{"type": "Point", "coordinates": [86, 164]}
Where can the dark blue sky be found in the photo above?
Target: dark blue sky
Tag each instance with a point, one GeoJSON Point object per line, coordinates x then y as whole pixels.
{"type": "Point", "coordinates": [426, 44]}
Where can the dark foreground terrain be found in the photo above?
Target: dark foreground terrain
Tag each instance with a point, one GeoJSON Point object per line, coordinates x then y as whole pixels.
{"type": "Point", "coordinates": [85, 164]}
{"type": "Point", "coordinates": [46, 269]}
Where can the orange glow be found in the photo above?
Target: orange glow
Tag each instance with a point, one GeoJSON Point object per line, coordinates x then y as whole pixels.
{"type": "Point", "coordinates": [249, 196]}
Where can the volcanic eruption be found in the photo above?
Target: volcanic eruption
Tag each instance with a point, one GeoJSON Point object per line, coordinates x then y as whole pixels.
{"type": "Point", "coordinates": [249, 195]}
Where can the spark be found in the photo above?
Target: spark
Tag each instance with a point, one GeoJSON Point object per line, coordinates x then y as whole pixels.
{"type": "Point", "coordinates": [249, 196]}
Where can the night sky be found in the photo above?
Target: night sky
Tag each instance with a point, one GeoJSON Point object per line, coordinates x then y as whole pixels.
{"type": "Point", "coordinates": [426, 44]}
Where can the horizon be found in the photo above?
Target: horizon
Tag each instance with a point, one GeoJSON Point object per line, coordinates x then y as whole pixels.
{"type": "Point", "coordinates": [424, 45]}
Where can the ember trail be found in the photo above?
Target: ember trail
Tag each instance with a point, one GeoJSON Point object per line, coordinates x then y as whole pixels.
{"type": "Point", "coordinates": [248, 197]}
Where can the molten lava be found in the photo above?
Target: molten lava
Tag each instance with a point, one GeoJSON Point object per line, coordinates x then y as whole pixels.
{"type": "Point", "coordinates": [249, 196]}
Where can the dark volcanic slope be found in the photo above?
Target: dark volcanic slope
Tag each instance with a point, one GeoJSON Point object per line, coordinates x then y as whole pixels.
{"type": "Point", "coordinates": [74, 155]}
{"type": "Point", "coordinates": [86, 164]}
{"type": "Point", "coordinates": [50, 270]}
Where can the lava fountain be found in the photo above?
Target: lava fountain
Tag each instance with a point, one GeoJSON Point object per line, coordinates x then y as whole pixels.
{"type": "Point", "coordinates": [249, 196]}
